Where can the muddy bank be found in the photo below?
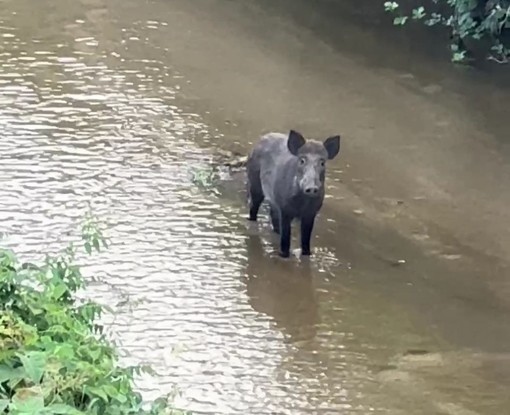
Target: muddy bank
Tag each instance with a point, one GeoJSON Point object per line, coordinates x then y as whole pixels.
{"type": "Point", "coordinates": [436, 144]}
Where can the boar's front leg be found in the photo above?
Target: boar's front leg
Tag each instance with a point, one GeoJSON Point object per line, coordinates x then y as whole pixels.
{"type": "Point", "coordinates": [275, 219]}
{"type": "Point", "coordinates": [285, 221]}
{"type": "Point", "coordinates": [306, 233]}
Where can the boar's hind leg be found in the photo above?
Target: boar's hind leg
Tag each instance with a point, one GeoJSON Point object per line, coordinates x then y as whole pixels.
{"type": "Point", "coordinates": [255, 193]}
{"type": "Point", "coordinates": [275, 219]}
{"type": "Point", "coordinates": [256, 201]}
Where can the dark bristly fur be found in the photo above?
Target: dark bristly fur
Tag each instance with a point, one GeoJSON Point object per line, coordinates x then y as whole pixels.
{"type": "Point", "coordinates": [289, 172]}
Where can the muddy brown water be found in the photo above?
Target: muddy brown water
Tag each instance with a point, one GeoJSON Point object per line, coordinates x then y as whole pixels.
{"type": "Point", "coordinates": [118, 102]}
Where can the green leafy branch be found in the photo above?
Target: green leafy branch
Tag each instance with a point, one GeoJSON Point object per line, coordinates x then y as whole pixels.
{"type": "Point", "coordinates": [54, 357]}
{"type": "Point", "coordinates": [467, 20]}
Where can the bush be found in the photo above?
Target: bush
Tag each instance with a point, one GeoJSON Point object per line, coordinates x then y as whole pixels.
{"type": "Point", "coordinates": [54, 358]}
{"type": "Point", "coordinates": [468, 20]}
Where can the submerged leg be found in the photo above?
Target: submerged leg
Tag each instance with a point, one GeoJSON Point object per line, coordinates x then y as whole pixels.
{"type": "Point", "coordinates": [255, 193]}
{"type": "Point", "coordinates": [256, 200]}
{"type": "Point", "coordinates": [275, 219]}
{"type": "Point", "coordinates": [306, 233]}
{"type": "Point", "coordinates": [285, 222]}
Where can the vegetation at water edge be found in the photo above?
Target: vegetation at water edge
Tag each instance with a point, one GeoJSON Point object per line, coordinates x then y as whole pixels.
{"type": "Point", "coordinates": [468, 21]}
{"type": "Point", "coordinates": [54, 357]}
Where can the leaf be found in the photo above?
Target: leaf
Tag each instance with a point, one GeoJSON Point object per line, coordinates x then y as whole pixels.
{"type": "Point", "coordinates": [431, 22]}
{"type": "Point", "coordinates": [400, 20]}
{"type": "Point", "coordinates": [419, 13]}
{"type": "Point", "coordinates": [9, 373]}
{"type": "Point", "coordinates": [64, 352]}
{"type": "Point", "coordinates": [147, 370]}
{"type": "Point", "coordinates": [110, 390]}
{"type": "Point", "coordinates": [4, 403]}
{"type": "Point", "coordinates": [35, 311]}
{"type": "Point", "coordinates": [107, 308]}
{"type": "Point", "coordinates": [34, 364]}
{"type": "Point", "coordinates": [7, 257]}
{"type": "Point", "coordinates": [30, 266]}
{"type": "Point", "coordinates": [62, 408]}
{"type": "Point", "coordinates": [390, 6]}
{"type": "Point", "coordinates": [14, 382]}
{"type": "Point", "coordinates": [94, 354]}
{"type": "Point", "coordinates": [88, 247]}
{"type": "Point", "coordinates": [48, 274]}
{"type": "Point", "coordinates": [28, 400]}
{"type": "Point", "coordinates": [92, 403]}
{"type": "Point", "coordinates": [121, 398]}
{"type": "Point", "coordinates": [459, 56]}
{"type": "Point", "coordinates": [98, 392]}
{"type": "Point", "coordinates": [95, 242]}
{"type": "Point", "coordinates": [58, 291]}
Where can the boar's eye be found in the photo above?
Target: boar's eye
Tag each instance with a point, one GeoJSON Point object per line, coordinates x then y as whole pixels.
{"type": "Point", "coordinates": [302, 160]}
{"type": "Point", "coordinates": [322, 163]}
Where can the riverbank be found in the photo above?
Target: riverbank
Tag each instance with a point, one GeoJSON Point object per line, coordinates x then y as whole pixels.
{"type": "Point", "coordinates": [423, 149]}
{"type": "Point", "coordinates": [55, 356]}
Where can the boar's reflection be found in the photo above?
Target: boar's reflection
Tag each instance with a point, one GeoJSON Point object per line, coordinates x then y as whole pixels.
{"type": "Point", "coordinates": [282, 290]}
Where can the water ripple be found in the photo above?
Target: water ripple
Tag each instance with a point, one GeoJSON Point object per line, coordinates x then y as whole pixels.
{"type": "Point", "coordinates": [100, 127]}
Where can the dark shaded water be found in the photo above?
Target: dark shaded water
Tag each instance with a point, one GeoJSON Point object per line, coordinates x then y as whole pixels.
{"type": "Point", "coordinates": [117, 103]}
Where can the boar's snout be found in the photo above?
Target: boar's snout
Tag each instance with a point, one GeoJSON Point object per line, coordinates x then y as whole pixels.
{"type": "Point", "coordinates": [311, 190]}
{"type": "Point", "coordinates": [310, 183]}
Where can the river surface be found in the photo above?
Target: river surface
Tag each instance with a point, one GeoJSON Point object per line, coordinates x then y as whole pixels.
{"type": "Point", "coordinates": [402, 309]}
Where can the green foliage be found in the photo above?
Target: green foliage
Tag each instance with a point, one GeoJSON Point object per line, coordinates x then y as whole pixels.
{"type": "Point", "coordinates": [467, 20]}
{"type": "Point", "coordinates": [204, 178]}
{"type": "Point", "coordinates": [91, 235]}
{"type": "Point", "coordinates": [54, 358]}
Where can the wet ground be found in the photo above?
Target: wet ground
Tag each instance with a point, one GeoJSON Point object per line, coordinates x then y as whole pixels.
{"type": "Point", "coordinates": [119, 102]}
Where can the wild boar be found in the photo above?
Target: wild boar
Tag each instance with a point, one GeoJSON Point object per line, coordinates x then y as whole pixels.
{"type": "Point", "coordinates": [289, 172]}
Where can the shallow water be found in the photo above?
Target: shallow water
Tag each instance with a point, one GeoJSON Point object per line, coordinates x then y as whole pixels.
{"type": "Point", "coordinates": [118, 103]}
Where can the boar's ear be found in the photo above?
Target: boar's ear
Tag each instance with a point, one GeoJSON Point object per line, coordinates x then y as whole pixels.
{"type": "Point", "coordinates": [332, 145]}
{"type": "Point", "coordinates": [295, 142]}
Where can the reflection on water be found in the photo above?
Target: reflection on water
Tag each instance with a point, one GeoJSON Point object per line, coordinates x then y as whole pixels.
{"type": "Point", "coordinates": [91, 110]}
{"type": "Point", "coordinates": [80, 126]}
{"type": "Point", "coordinates": [283, 291]}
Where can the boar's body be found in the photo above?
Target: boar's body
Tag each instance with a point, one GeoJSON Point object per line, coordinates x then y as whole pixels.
{"type": "Point", "coordinates": [275, 167]}
{"type": "Point", "coordinates": [289, 172]}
